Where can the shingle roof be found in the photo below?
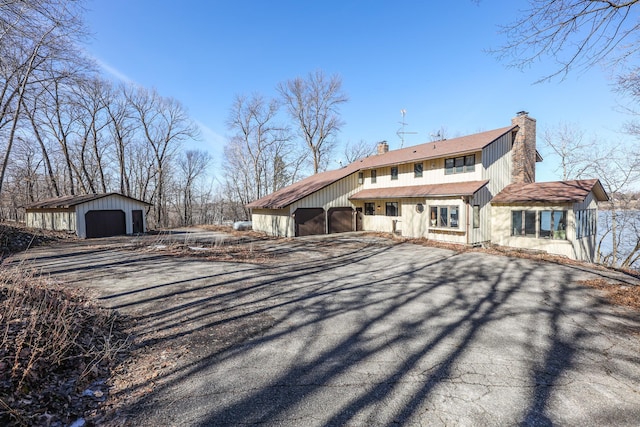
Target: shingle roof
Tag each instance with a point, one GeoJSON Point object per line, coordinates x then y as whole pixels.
{"type": "Point", "coordinates": [552, 192]}
{"type": "Point", "coordinates": [430, 150]}
{"type": "Point", "coordinates": [65, 202]}
{"type": "Point", "coordinates": [431, 190]}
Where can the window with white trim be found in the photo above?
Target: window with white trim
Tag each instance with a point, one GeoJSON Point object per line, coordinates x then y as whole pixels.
{"type": "Point", "coordinates": [444, 216]}
{"type": "Point", "coordinates": [543, 224]}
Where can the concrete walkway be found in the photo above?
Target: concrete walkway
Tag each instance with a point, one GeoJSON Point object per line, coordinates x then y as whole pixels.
{"type": "Point", "coordinates": [369, 333]}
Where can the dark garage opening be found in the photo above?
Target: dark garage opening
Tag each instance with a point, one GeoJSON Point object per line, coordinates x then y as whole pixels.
{"type": "Point", "coordinates": [309, 221]}
{"type": "Point", "coordinates": [340, 220]}
{"type": "Point", "coordinates": [105, 223]}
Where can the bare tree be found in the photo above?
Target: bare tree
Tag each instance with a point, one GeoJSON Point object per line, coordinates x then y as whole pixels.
{"type": "Point", "coordinates": [575, 33]}
{"type": "Point", "coordinates": [359, 150]}
{"type": "Point", "coordinates": [567, 142]}
{"type": "Point", "coordinates": [164, 126]}
{"type": "Point", "coordinates": [34, 35]}
{"type": "Point", "coordinates": [618, 169]}
{"type": "Point", "coordinates": [192, 165]}
{"type": "Point", "coordinates": [121, 127]}
{"type": "Point", "coordinates": [314, 103]}
{"type": "Point", "coordinates": [259, 157]}
{"type": "Point", "coordinates": [89, 95]}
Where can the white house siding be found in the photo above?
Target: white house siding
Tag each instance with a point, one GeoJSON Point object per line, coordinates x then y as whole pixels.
{"type": "Point", "coordinates": [335, 195]}
{"type": "Point", "coordinates": [275, 222]}
{"type": "Point", "coordinates": [52, 219]}
{"type": "Point", "coordinates": [501, 232]}
{"type": "Point", "coordinates": [433, 173]}
{"type": "Point", "coordinates": [382, 223]}
{"type": "Point", "coordinates": [111, 202]}
{"type": "Point", "coordinates": [453, 235]}
{"type": "Point", "coordinates": [413, 223]}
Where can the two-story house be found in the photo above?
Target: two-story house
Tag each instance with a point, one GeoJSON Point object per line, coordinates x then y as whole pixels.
{"type": "Point", "coordinates": [443, 190]}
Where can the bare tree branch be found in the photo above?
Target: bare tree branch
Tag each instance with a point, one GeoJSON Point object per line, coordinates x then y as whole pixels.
{"type": "Point", "coordinates": [577, 34]}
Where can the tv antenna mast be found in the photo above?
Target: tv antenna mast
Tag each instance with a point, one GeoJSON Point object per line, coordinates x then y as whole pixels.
{"type": "Point", "coordinates": [401, 132]}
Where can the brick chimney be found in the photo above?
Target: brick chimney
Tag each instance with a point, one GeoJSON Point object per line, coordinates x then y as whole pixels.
{"type": "Point", "coordinates": [383, 147]}
{"type": "Point", "coordinates": [523, 170]}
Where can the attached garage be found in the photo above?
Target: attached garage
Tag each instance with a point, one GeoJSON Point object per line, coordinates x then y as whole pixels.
{"type": "Point", "coordinates": [90, 215]}
{"type": "Point", "coordinates": [309, 221]}
{"type": "Point", "coordinates": [340, 220]}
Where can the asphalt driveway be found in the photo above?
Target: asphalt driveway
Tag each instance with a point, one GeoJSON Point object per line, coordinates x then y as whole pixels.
{"type": "Point", "coordinates": [365, 331]}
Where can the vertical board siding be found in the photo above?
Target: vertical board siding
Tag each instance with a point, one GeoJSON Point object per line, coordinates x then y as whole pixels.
{"type": "Point", "coordinates": [111, 202]}
{"type": "Point", "coordinates": [274, 222]}
{"type": "Point", "coordinates": [335, 195]}
{"type": "Point", "coordinates": [497, 164]}
{"type": "Point", "coordinates": [53, 219]}
{"type": "Point", "coordinates": [432, 173]}
{"type": "Point", "coordinates": [482, 234]}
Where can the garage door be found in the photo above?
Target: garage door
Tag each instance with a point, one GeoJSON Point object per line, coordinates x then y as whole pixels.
{"type": "Point", "coordinates": [105, 223]}
{"type": "Point", "coordinates": [340, 220]}
{"type": "Point", "coordinates": [309, 221]}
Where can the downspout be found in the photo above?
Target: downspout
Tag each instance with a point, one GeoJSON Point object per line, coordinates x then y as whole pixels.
{"type": "Point", "coordinates": [466, 201]}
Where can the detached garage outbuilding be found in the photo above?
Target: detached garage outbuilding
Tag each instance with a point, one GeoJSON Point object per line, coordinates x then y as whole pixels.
{"type": "Point", "coordinates": [90, 215]}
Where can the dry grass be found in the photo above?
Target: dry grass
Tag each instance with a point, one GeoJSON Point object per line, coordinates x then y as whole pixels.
{"type": "Point", "coordinates": [616, 293]}
{"type": "Point", "coordinates": [56, 351]}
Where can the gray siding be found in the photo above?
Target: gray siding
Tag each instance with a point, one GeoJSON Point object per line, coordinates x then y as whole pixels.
{"type": "Point", "coordinates": [482, 234]}
{"type": "Point", "coordinates": [497, 164]}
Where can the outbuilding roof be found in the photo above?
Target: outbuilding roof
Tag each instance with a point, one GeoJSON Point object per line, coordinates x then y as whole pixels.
{"type": "Point", "coordinates": [431, 150]}
{"type": "Point", "coordinates": [65, 202]}
{"type": "Point", "coordinates": [552, 192]}
{"type": "Point", "coordinates": [432, 190]}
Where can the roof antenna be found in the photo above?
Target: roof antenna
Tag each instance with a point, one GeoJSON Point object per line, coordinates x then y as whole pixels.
{"type": "Point", "coordinates": [401, 132]}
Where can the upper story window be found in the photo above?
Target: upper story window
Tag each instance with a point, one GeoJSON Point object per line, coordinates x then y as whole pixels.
{"type": "Point", "coordinates": [360, 177]}
{"type": "Point", "coordinates": [374, 176]}
{"type": "Point", "coordinates": [394, 172]}
{"type": "Point", "coordinates": [460, 164]}
{"type": "Point", "coordinates": [417, 170]}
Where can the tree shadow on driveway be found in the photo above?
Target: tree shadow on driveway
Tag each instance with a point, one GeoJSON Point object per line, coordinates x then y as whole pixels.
{"type": "Point", "coordinates": [384, 335]}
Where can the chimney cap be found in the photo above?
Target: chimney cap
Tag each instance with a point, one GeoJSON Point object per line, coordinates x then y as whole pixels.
{"type": "Point", "coordinates": [522, 113]}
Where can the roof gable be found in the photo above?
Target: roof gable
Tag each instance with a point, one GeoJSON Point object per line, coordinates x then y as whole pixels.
{"type": "Point", "coordinates": [435, 150]}
{"type": "Point", "coordinates": [552, 192]}
{"type": "Point", "coordinates": [431, 150]}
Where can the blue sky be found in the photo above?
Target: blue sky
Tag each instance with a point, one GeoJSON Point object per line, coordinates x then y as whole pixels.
{"type": "Point", "coordinates": [428, 58]}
